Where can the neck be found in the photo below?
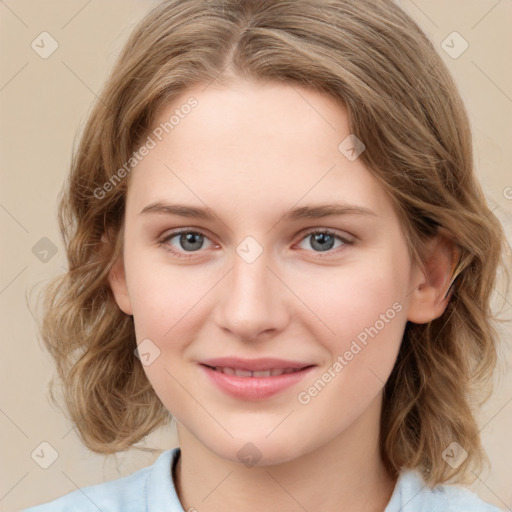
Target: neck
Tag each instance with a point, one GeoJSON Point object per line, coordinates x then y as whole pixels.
{"type": "Point", "coordinates": [347, 473]}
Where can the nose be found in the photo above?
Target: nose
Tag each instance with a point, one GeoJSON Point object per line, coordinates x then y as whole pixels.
{"type": "Point", "coordinates": [252, 300]}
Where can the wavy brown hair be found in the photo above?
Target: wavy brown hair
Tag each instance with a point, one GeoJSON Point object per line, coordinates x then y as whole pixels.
{"type": "Point", "coordinates": [402, 102]}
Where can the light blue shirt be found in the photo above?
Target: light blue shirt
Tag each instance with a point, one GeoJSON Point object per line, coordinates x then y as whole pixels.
{"type": "Point", "coordinates": [151, 489]}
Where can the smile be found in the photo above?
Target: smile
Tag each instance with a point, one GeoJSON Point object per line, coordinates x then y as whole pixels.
{"type": "Point", "coordinates": [260, 384]}
{"type": "Point", "coordinates": [274, 372]}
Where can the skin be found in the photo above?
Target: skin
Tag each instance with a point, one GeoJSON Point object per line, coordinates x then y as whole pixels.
{"type": "Point", "coordinates": [251, 152]}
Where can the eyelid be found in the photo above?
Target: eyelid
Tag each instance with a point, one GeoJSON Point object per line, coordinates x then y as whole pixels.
{"type": "Point", "coordinates": [342, 235]}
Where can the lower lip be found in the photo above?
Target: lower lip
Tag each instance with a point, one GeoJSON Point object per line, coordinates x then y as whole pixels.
{"type": "Point", "coordinates": [254, 388]}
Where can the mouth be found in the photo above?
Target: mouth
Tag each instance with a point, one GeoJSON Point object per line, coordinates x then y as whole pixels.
{"type": "Point", "coordinates": [273, 372]}
{"type": "Point", "coordinates": [254, 379]}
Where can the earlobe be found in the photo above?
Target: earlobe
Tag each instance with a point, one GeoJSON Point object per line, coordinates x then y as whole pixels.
{"type": "Point", "coordinates": [433, 287]}
{"type": "Point", "coordinates": [118, 285]}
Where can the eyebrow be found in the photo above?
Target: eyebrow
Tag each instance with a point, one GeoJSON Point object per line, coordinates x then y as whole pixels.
{"type": "Point", "coordinates": [302, 212]}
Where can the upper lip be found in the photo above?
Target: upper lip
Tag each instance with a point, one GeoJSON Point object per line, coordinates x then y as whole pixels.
{"type": "Point", "coordinates": [254, 365]}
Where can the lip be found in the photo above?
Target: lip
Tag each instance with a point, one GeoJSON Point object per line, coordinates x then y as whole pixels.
{"type": "Point", "coordinates": [254, 388]}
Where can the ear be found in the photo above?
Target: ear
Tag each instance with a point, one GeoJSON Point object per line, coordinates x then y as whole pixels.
{"type": "Point", "coordinates": [433, 284]}
{"type": "Point", "coordinates": [117, 282]}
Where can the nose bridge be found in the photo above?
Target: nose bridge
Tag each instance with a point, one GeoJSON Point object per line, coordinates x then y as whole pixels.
{"type": "Point", "coordinates": [252, 298]}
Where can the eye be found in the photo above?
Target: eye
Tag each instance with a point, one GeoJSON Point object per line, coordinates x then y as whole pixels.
{"type": "Point", "coordinates": [187, 241]}
{"type": "Point", "coordinates": [323, 240]}
{"type": "Point", "coordinates": [190, 241]}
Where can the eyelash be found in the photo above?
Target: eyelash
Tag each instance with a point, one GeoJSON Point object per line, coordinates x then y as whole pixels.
{"type": "Point", "coordinates": [179, 254]}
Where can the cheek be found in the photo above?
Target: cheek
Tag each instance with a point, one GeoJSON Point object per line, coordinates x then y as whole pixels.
{"type": "Point", "coordinates": [165, 297]}
{"type": "Point", "coordinates": [351, 300]}
{"type": "Point", "coordinates": [166, 308]}
{"type": "Point", "coordinates": [366, 312]}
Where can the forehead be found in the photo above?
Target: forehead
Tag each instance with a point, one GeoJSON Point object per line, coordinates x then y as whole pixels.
{"type": "Point", "coordinates": [256, 146]}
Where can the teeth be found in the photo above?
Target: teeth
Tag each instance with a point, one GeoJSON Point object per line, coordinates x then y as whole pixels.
{"type": "Point", "coordinates": [261, 373]}
{"type": "Point", "coordinates": [230, 371]}
{"type": "Point", "coordinates": [242, 373]}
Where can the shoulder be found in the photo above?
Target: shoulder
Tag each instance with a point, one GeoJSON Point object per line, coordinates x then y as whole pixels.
{"type": "Point", "coordinates": [411, 494]}
{"type": "Point", "coordinates": [130, 493]}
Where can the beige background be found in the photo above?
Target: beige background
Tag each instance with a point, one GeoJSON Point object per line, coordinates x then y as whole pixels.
{"type": "Point", "coordinates": [44, 102]}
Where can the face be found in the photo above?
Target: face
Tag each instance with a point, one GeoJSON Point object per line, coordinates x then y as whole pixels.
{"type": "Point", "coordinates": [270, 273]}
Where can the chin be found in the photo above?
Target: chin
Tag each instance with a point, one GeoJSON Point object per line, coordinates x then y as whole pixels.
{"type": "Point", "coordinates": [258, 450]}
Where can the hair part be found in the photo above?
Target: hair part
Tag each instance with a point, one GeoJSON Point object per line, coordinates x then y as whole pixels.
{"type": "Point", "coordinates": [402, 103]}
